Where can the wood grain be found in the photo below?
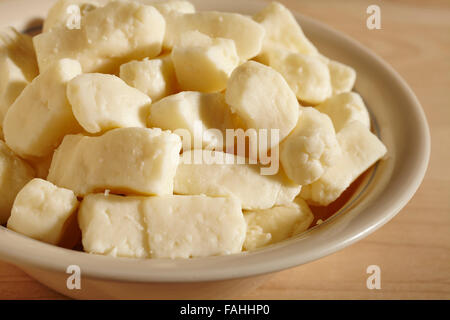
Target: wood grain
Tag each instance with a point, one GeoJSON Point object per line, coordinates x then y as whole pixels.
{"type": "Point", "coordinates": [413, 250]}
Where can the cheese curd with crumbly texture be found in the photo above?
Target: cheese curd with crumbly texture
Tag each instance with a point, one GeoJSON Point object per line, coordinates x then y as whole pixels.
{"type": "Point", "coordinates": [247, 34]}
{"type": "Point", "coordinates": [344, 108]}
{"type": "Point", "coordinates": [360, 150]}
{"type": "Point", "coordinates": [276, 224]}
{"type": "Point", "coordinates": [107, 37]}
{"type": "Point", "coordinates": [311, 148]}
{"type": "Point", "coordinates": [161, 227]}
{"type": "Point", "coordinates": [86, 103]}
{"type": "Point", "coordinates": [125, 160]}
{"type": "Point", "coordinates": [154, 77]}
{"type": "Point", "coordinates": [203, 63]}
{"type": "Point", "coordinates": [43, 211]}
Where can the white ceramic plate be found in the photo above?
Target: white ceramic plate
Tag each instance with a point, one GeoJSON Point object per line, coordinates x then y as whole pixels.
{"type": "Point", "coordinates": [401, 125]}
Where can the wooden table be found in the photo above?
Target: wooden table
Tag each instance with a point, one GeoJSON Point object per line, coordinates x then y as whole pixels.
{"type": "Point", "coordinates": [413, 250]}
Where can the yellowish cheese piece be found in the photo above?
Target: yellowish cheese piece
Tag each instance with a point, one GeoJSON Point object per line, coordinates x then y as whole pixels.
{"type": "Point", "coordinates": [217, 25]}
{"type": "Point", "coordinates": [204, 64]}
{"type": "Point", "coordinates": [308, 76]}
{"type": "Point", "coordinates": [125, 160]}
{"type": "Point", "coordinates": [282, 31]}
{"type": "Point", "coordinates": [64, 12]}
{"type": "Point", "coordinates": [108, 37]}
{"type": "Point", "coordinates": [193, 226]}
{"type": "Point", "coordinates": [101, 102]}
{"type": "Point", "coordinates": [344, 108]}
{"type": "Point", "coordinates": [310, 149]}
{"type": "Point", "coordinates": [262, 99]}
{"type": "Point", "coordinates": [41, 116]}
{"type": "Point", "coordinates": [172, 6]}
{"type": "Point", "coordinates": [18, 66]}
{"type": "Point", "coordinates": [219, 174]}
{"type": "Point", "coordinates": [154, 77]}
{"type": "Point", "coordinates": [197, 113]}
{"type": "Point", "coordinates": [161, 227]}
{"type": "Point", "coordinates": [41, 211]}
{"type": "Point", "coordinates": [265, 227]}
{"type": "Point", "coordinates": [360, 150]}
{"type": "Point", "coordinates": [14, 174]}
{"type": "Point", "coordinates": [113, 225]}
{"type": "Point", "coordinates": [342, 77]}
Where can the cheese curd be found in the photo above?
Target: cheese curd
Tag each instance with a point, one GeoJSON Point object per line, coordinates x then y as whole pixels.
{"type": "Point", "coordinates": [342, 77]}
{"type": "Point", "coordinates": [154, 77]}
{"type": "Point", "coordinates": [44, 212]}
{"type": "Point", "coordinates": [311, 148]}
{"type": "Point", "coordinates": [205, 116]}
{"type": "Point", "coordinates": [262, 99]}
{"type": "Point", "coordinates": [223, 174]}
{"type": "Point", "coordinates": [126, 160]}
{"type": "Point", "coordinates": [283, 31]}
{"type": "Point", "coordinates": [41, 116]}
{"type": "Point", "coordinates": [308, 77]}
{"type": "Point", "coordinates": [107, 37]}
{"type": "Point", "coordinates": [102, 102]}
{"type": "Point", "coordinates": [276, 224]}
{"type": "Point", "coordinates": [246, 33]}
{"type": "Point", "coordinates": [344, 108]}
{"type": "Point", "coordinates": [203, 63]}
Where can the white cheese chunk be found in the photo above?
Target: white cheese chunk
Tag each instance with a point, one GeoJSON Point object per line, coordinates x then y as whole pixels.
{"type": "Point", "coordinates": [219, 174]}
{"type": "Point", "coordinates": [108, 37]}
{"type": "Point", "coordinates": [342, 77]}
{"type": "Point", "coordinates": [161, 227]}
{"type": "Point", "coordinates": [308, 76]}
{"type": "Point", "coordinates": [283, 31]}
{"type": "Point", "coordinates": [246, 33]}
{"type": "Point", "coordinates": [310, 149]}
{"type": "Point", "coordinates": [344, 108]}
{"type": "Point", "coordinates": [43, 211]}
{"type": "Point", "coordinates": [194, 111]}
{"type": "Point", "coordinates": [172, 6]}
{"type": "Point", "coordinates": [64, 13]}
{"type": "Point", "coordinates": [113, 225]}
{"type": "Point", "coordinates": [126, 160]}
{"type": "Point", "coordinates": [14, 174]}
{"type": "Point", "coordinates": [269, 226]}
{"type": "Point", "coordinates": [41, 116]}
{"type": "Point", "coordinates": [262, 99]}
{"type": "Point", "coordinates": [193, 226]}
{"type": "Point", "coordinates": [203, 63]}
{"type": "Point", "coordinates": [360, 150]}
{"type": "Point", "coordinates": [18, 66]}
{"type": "Point", "coordinates": [154, 77]}
{"type": "Point", "coordinates": [101, 102]}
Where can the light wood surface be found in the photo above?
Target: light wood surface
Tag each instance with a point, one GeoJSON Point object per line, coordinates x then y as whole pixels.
{"type": "Point", "coordinates": [412, 250]}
